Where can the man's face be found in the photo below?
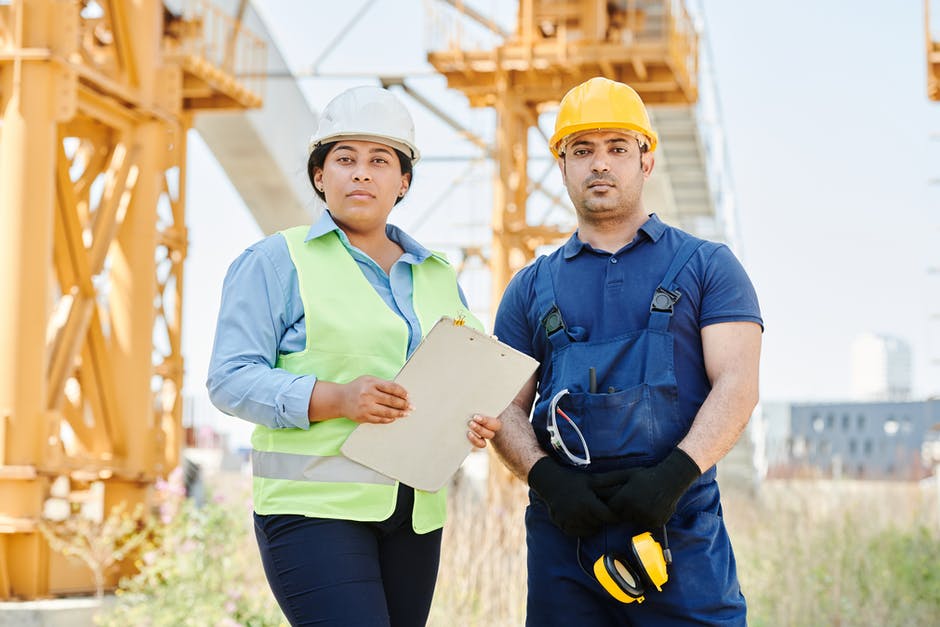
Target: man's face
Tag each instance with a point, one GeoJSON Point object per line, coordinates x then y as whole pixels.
{"type": "Point", "coordinates": [604, 172]}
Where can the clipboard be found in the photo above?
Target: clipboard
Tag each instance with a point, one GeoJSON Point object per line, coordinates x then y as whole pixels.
{"type": "Point", "coordinates": [455, 372]}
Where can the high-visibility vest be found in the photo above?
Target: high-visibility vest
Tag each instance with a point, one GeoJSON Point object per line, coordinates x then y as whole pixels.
{"type": "Point", "coordinates": [350, 332]}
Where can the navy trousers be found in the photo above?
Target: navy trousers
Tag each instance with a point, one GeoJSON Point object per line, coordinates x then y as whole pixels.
{"type": "Point", "coordinates": [702, 588]}
{"type": "Point", "coordinates": [343, 573]}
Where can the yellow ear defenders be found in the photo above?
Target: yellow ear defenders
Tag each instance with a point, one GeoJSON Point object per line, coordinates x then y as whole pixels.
{"type": "Point", "coordinates": [625, 577]}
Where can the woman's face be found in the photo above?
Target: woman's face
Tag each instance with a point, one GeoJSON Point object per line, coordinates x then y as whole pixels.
{"type": "Point", "coordinates": [361, 181]}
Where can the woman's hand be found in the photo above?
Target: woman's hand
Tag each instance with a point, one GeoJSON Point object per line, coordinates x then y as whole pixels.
{"type": "Point", "coordinates": [483, 428]}
{"type": "Point", "coordinates": [370, 399]}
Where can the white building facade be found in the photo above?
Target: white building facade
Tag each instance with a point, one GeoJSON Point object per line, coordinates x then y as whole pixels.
{"type": "Point", "coordinates": [881, 368]}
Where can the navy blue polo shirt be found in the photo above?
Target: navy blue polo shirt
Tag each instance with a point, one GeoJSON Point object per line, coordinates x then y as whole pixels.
{"type": "Point", "coordinates": [602, 295]}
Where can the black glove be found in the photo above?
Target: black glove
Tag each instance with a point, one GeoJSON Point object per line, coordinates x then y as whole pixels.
{"type": "Point", "coordinates": [572, 503]}
{"type": "Point", "coordinates": [648, 496]}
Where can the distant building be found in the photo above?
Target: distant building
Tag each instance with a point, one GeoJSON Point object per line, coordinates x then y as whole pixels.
{"type": "Point", "coordinates": [883, 440]}
{"type": "Point", "coordinates": [209, 427]}
{"type": "Point", "coordinates": [770, 429]}
{"type": "Point", "coordinates": [881, 368]}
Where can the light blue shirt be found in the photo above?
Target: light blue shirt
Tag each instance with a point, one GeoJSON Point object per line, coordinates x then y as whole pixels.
{"type": "Point", "coordinates": [261, 316]}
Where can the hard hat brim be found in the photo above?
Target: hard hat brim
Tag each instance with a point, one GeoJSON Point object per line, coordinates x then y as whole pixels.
{"type": "Point", "coordinates": [407, 149]}
{"type": "Point", "coordinates": [562, 134]}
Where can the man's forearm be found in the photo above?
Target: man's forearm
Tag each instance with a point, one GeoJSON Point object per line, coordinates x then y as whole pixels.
{"type": "Point", "coordinates": [515, 443]}
{"type": "Point", "coordinates": [719, 422]}
{"type": "Point", "coordinates": [732, 358]}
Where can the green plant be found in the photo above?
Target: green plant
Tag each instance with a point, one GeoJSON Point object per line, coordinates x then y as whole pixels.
{"type": "Point", "coordinates": [100, 545]}
{"type": "Point", "coordinates": [202, 570]}
{"type": "Point", "coordinates": [903, 575]}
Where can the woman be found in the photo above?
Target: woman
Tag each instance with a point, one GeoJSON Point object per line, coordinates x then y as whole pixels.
{"type": "Point", "coordinates": [314, 322]}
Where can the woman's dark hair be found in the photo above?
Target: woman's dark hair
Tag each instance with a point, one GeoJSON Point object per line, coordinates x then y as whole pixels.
{"type": "Point", "coordinates": [318, 158]}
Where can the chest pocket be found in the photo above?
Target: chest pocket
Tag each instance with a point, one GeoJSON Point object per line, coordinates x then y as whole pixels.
{"type": "Point", "coordinates": [611, 403]}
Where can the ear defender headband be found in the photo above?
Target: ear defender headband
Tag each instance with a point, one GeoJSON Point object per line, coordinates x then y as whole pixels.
{"type": "Point", "coordinates": [625, 577]}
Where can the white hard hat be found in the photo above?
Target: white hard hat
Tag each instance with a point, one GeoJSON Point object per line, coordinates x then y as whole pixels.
{"type": "Point", "coordinates": [367, 113]}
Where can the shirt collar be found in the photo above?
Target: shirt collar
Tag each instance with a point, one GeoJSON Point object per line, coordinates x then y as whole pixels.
{"type": "Point", "coordinates": [414, 252]}
{"type": "Point", "coordinates": [653, 228]}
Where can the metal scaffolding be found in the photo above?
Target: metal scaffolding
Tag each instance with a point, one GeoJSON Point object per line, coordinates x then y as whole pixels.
{"type": "Point", "coordinates": [650, 44]}
{"type": "Point", "coordinates": [95, 102]}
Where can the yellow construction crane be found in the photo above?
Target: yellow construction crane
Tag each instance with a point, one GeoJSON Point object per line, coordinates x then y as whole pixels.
{"type": "Point", "coordinates": [95, 101]}
{"type": "Point", "coordinates": [650, 44]}
{"type": "Point", "coordinates": [933, 57]}
{"type": "Point", "coordinates": [96, 97]}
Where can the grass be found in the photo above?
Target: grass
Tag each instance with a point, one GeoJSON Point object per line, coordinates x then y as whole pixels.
{"type": "Point", "coordinates": [482, 580]}
{"type": "Point", "coordinates": [814, 552]}
{"type": "Point", "coordinates": [809, 552]}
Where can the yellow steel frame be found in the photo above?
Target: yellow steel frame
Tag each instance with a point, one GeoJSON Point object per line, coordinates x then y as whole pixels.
{"type": "Point", "coordinates": [933, 57]}
{"type": "Point", "coordinates": [94, 111]}
{"type": "Point", "coordinates": [650, 44]}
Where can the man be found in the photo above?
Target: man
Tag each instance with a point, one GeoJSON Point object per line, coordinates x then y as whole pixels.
{"type": "Point", "coordinates": [649, 343]}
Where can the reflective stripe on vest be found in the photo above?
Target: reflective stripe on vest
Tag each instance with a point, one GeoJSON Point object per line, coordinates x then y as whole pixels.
{"type": "Point", "coordinates": [334, 468]}
{"type": "Point", "coordinates": [350, 332]}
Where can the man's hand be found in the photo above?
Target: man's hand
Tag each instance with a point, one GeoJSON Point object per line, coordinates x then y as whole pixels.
{"type": "Point", "coordinates": [648, 496]}
{"type": "Point", "coordinates": [572, 503]}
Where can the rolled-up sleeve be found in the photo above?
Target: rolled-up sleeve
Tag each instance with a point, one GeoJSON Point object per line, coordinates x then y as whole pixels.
{"type": "Point", "coordinates": [257, 308]}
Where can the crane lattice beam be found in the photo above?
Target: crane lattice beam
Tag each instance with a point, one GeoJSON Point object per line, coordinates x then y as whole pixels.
{"type": "Point", "coordinates": [94, 110]}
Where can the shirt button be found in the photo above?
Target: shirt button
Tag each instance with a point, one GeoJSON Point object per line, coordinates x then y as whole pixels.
{"type": "Point", "coordinates": [613, 260]}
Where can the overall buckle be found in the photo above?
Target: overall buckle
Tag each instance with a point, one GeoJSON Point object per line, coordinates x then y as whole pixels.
{"type": "Point", "coordinates": [552, 321]}
{"type": "Point", "coordinates": [664, 300]}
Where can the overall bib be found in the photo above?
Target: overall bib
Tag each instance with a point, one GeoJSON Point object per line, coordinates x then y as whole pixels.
{"type": "Point", "coordinates": [628, 415]}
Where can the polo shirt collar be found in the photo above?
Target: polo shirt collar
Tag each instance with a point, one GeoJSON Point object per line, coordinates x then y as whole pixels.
{"type": "Point", "coordinates": [573, 246]}
{"type": "Point", "coordinates": [653, 228]}
{"type": "Point", "coordinates": [325, 224]}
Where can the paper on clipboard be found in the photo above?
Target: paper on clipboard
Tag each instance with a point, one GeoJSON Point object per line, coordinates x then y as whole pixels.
{"type": "Point", "coordinates": [454, 373]}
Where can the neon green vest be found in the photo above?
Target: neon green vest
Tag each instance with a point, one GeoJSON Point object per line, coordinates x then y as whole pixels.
{"type": "Point", "coordinates": [350, 332]}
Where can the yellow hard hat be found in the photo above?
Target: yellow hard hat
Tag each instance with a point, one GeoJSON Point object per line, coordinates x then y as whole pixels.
{"type": "Point", "coordinates": [600, 103]}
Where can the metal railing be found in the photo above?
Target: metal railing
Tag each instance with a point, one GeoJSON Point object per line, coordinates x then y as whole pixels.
{"type": "Point", "coordinates": [222, 41]}
{"type": "Point", "coordinates": [642, 26]}
{"type": "Point", "coordinates": [717, 163]}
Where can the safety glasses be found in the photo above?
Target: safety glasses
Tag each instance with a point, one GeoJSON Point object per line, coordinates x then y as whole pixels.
{"type": "Point", "coordinates": [555, 437]}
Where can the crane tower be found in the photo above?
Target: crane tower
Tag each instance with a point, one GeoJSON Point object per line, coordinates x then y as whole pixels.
{"type": "Point", "coordinates": [650, 44]}
{"type": "Point", "coordinates": [95, 101]}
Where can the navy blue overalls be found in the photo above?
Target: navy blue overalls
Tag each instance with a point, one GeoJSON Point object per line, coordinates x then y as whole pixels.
{"type": "Point", "coordinates": [630, 419]}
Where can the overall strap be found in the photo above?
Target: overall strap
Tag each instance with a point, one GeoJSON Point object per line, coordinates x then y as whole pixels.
{"type": "Point", "coordinates": [549, 315]}
{"type": "Point", "coordinates": [667, 295]}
